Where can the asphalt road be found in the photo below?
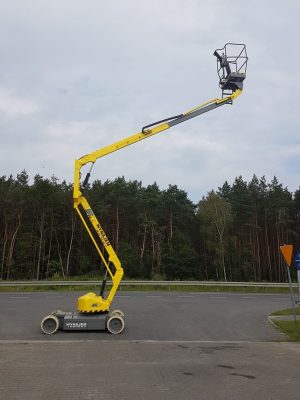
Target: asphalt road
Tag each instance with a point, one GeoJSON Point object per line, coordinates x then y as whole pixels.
{"type": "Point", "coordinates": [151, 316]}
{"type": "Point", "coordinates": [194, 346]}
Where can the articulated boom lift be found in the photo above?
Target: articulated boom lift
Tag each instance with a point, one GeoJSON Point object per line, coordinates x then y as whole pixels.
{"type": "Point", "coordinates": [93, 311]}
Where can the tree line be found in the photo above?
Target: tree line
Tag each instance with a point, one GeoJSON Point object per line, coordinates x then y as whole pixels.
{"type": "Point", "coordinates": [233, 233]}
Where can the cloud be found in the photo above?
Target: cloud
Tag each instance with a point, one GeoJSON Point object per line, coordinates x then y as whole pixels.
{"type": "Point", "coordinates": [77, 76]}
{"type": "Point", "coordinates": [12, 105]}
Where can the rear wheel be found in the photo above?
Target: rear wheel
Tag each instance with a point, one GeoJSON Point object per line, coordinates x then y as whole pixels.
{"type": "Point", "coordinates": [115, 324]}
{"type": "Point", "coordinates": [50, 325]}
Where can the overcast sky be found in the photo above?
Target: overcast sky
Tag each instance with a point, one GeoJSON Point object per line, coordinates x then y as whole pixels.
{"type": "Point", "coordinates": [78, 75]}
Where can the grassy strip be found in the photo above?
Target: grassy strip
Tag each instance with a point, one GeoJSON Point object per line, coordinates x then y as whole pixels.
{"type": "Point", "coordinates": [136, 287]}
{"type": "Point", "coordinates": [287, 311]}
{"type": "Point", "coordinates": [290, 328]}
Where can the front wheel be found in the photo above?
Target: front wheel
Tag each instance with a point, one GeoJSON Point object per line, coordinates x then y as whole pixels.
{"type": "Point", "coordinates": [119, 313]}
{"type": "Point", "coordinates": [50, 325]}
{"type": "Point", "coordinates": [115, 324]}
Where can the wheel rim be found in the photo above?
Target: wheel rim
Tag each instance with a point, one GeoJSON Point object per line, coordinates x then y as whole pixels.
{"type": "Point", "coordinates": [115, 325]}
{"type": "Point", "coordinates": [50, 324]}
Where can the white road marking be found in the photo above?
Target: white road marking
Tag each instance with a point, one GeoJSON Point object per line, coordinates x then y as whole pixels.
{"type": "Point", "coordinates": [153, 297]}
{"type": "Point", "coordinates": [279, 298]}
{"type": "Point", "coordinates": [186, 296]}
{"type": "Point", "coordinates": [218, 297]}
{"type": "Point", "coordinates": [18, 297]}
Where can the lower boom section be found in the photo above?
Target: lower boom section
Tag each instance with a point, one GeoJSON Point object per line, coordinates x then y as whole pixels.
{"type": "Point", "coordinates": [113, 322]}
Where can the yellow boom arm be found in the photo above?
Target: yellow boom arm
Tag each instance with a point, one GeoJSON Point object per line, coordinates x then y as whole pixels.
{"type": "Point", "coordinates": [91, 302]}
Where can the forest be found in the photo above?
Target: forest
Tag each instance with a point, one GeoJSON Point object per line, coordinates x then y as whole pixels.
{"type": "Point", "coordinates": [232, 234]}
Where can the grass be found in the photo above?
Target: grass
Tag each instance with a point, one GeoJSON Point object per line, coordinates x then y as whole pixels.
{"type": "Point", "coordinates": [286, 311]}
{"type": "Point", "coordinates": [290, 328]}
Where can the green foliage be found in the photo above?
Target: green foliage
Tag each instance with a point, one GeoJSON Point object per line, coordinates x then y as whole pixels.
{"type": "Point", "coordinates": [215, 218]}
{"type": "Point", "coordinates": [130, 260]}
{"type": "Point", "coordinates": [232, 234]}
{"type": "Point", "coordinates": [182, 264]}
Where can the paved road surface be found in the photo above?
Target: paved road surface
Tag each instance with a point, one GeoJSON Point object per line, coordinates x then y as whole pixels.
{"type": "Point", "coordinates": [193, 346]}
{"type": "Point", "coordinates": [151, 316]}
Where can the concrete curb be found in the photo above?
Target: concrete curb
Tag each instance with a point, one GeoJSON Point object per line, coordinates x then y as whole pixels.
{"type": "Point", "coordinates": [271, 319]}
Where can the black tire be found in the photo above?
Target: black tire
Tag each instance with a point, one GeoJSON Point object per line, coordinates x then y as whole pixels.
{"type": "Point", "coordinates": [50, 325]}
{"type": "Point", "coordinates": [115, 324]}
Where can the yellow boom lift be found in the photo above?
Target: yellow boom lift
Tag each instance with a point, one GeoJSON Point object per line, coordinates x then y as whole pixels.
{"type": "Point", "coordinates": [93, 311]}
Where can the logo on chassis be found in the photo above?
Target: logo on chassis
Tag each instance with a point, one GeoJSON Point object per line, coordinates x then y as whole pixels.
{"type": "Point", "coordinates": [76, 324]}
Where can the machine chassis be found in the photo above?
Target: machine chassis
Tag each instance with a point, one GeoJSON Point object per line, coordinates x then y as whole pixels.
{"type": "Point", "coordinates": [113, 321]}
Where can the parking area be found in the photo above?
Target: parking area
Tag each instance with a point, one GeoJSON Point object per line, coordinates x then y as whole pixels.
{"type": "Point", "coordinates": [176, 345]}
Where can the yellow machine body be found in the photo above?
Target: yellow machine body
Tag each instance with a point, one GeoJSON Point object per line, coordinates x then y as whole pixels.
{"type": "Point", "coordinates": [90, 302]}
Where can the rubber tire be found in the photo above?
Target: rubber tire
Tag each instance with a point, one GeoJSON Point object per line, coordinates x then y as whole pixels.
{"type": "Point", "coordinates": [118, 312]}
{"type": "Point", "coordinates": [55, 328]}
{"type": "Point", "coordinates": [110, 324]}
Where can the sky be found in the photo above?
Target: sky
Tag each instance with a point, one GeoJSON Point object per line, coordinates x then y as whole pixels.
{"type": "Point", "coordinates": [76, 76]}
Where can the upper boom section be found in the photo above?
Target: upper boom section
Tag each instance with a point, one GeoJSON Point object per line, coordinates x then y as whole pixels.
{"type": "Point", "coordinates": [232, 72]}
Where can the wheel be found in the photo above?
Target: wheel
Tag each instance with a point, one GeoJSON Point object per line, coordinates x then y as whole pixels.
{"type": "Point", "coordinates": [115, 324]}
{"type": "Point", "coordinates": [50, 324]}
{"type": "Point", "coordinates": [118, 312]}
